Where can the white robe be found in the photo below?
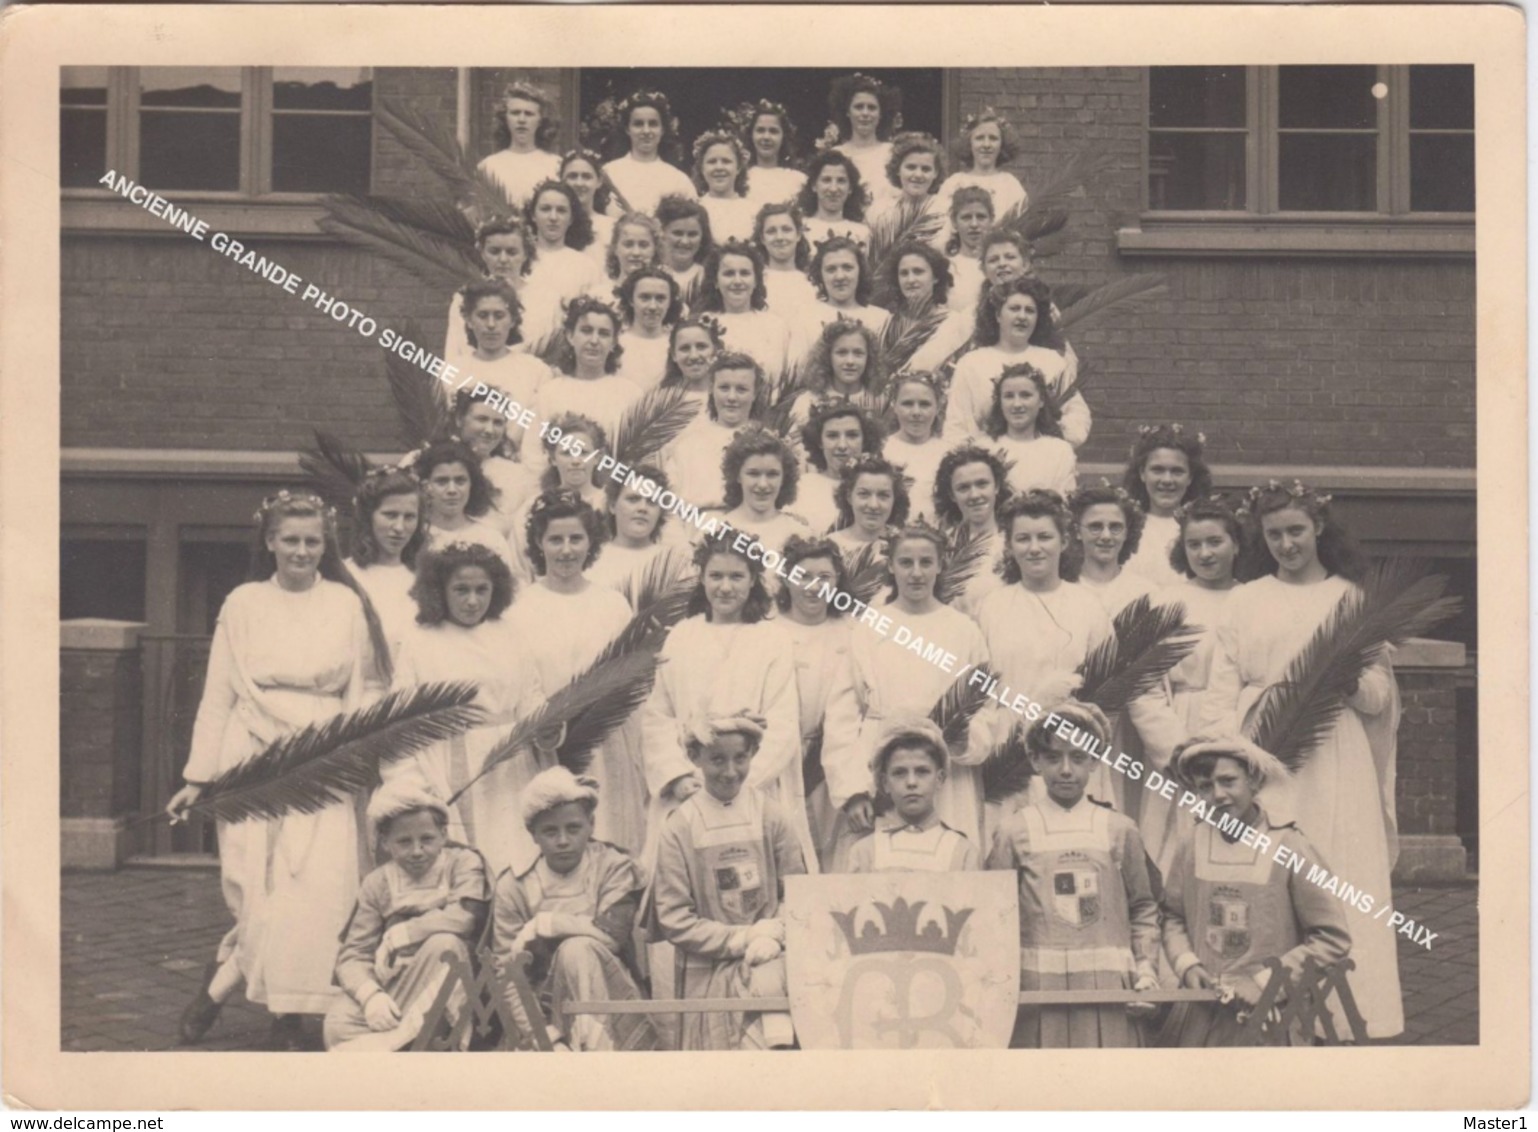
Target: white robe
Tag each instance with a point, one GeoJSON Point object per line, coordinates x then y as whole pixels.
{"type": "Point", "coordinates": [518, 173]}
{"type": "Point", "coordinates": [389, 592]}
{"type": "Point", "coordinates": [971, 391]}
{"type": "Point", "coordinates": [644, 183]}
{"type": "Point", "coordinates": [1046, 462]}
{"type": "Point", "coordinates": [1120, 592]}
{"type": "Point", "coordinates": [731, 218]}
{"type": "Point", "coordinates": [814, 501]}
{"type": "Point", "coordinates": [601, 399]}
{"type": "Point", "coordinates": [872, 161]}
{"type": "Point", "coordinates": [1152, 559]}
{"type": "Point", "coordinates": [788, 293]}
{"type": "Point", "coordinates": [920, 463]}
{"type": "Point", "coordinates": [822, 662]}
{"type": "Point", "coordinates": [692, 461]}
{"type": "Point", "coordinates": [477, 532]}
{"type": "Point", "coordinates": [644, 361]}
{"type": "Point", "coordinates": [762, 335]}
{"type": "Point", "coordinates": [773, 186]}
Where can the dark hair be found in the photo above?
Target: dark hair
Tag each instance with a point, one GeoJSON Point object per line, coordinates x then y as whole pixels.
{"type": "Point", "coordinates": [930, 382]}
{"type": "Point", "coordinates": [1338, 551]}
{"type": "Point", "coordinates": [758, 606]}
{"type": "Point", "coordinates": [783, 208]}
{"type": "Point", "coordinates": [702, 145]}
{"type": "Point", "coordinates": [841, 93]}
{"type": "Point", "coordinates": [562, 503]}
{"type": "Point", "coordinates": [437, 566]}
{"type": "Point", "coordinates": [711, 300]}
{"type": "Point", "coordinates": [750, 116]}
{"type": "Point", "coordinates": [993, 300]}
{"type": "Point", "coordinates": [474, 395]}
{"type": "Point", "coordinates": [868, 465]}
{"type": "Point", "coordinates": [967, 194]}
{"type": "Point", "coordinates": [904, 739]}
{"type": "Point", "coordinates": [800, 548]}
{"type": "Point", "coordinates": [575, 310]}
{"type": "Point", "coordinates": [566, 424]}
{"type": "Point", "coordinates": [632, 220]}
{"type": "Point", "coordinates": [603, 193]}
{"type": "Point", "coordinates": [1149, 440]}
{"type": "Point", "coordinates": [508, 226]}
{"type": "Point", "coordinates": [811, 432]}
{"type": "Point", "coordinates": [378, 486]}
{"type": "Point", "coordinates": [549, 125]}
{"type": "Point", "coordinates": [821, 380]}
{"type": "Point", "coordinates": [862, 289]}
{"type": "Point", "coordinates": [579, 233]}
{"type": "Point", "coordinates": [1048, 418]}
{"type": "Point", "coordinates": [756, 440]}
{"type": "Point", "coordinates": [1213, 509]}
{"type": "Point", "coordinates": [854, 203]}
{"type": "Point", "coordinates": [457, 452]}
{"type": "Point", "coordinates": [946, 508]}
{"type": "Point", "coordinates": [887, 287]}
{"type": "Point", "coordinates": [614, 488]}
{"type": "Point", "coordinates": [675, 207]}
{"type": "Point", "coordinates": [1085, 498]}
{"type": "Point", "coordinates": [914, 530]}
{"type": "Point", "coordinates": [472, 293]}
{"type": "Point", "coordinates": [1009, 148]}
{"type": "Point", "coordinates": [731, 359]}
{"type": "Point", "coordinates": [625, 293]}
{"type": "Point", "coordinates": [1034, 504]}
{"type": "Point", "coordinates": [671, 374]}
{"type": "Point", "coordinates": [905, 144]}
{"type": "Point", "coordinates": [668, 146]}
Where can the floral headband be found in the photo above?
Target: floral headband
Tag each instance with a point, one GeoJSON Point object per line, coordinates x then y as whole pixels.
{"type": "Point", "coordinates": [526, 91]}
{"type": "Point", "coordinates": [1216, 499]}
{"type": "Point", "coordinates": [720, 137]}
{"type": "Point", "coordinates": [712, 326]}
{"type": "Point", "coordinates": [287, 498]}
{"type": "Point", "coordinates": [653, 98]}
{"type": "Point", "coordinates": [1175, 432]}
{"type": "Point", "coordinates": [593, 159]}
{"type": "Point", "coordinates": [986, 114]}
{"type": "Point", "coordinates": [1298, 491]}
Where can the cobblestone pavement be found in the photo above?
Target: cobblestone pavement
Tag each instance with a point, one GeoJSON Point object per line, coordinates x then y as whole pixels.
{"type": "Point", "coordinates": [135, 943]}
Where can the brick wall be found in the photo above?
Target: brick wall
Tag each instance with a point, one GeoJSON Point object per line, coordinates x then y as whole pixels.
{"type": "Point", "coordinates": [486, 89]}
{"type": "Point", "coordinates": [428, 90]}
{"type": "Point", "coordinates": [1428, 753]}
{"type": "Point", "coordinates": [99, 740]}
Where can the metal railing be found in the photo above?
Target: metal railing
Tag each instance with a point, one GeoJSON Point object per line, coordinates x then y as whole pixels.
{"type": "Point", "coordinates": [174, 665]}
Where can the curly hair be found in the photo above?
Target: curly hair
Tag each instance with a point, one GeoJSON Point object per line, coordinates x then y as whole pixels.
{"type": "Point", "coordinates": [841, 93]}
{"type": "Point", "coordinates": [821, 379]}
{"type": "Point", "coordinates": [625, 293]}
{"type": "Point", "coordinates": [672, 375]}
{"type": "Point", "coordinates": [560, 427]}
{"type": "Point", "coordinates": [674, 207]}
{"type": "Point", "coordinates": [549, 124]}
{"type": "Point", "coordinates": [904, 145]}
{"type": "Point", "coordinates": [1085, 498]}
{"type": "Point", "coordinates": [914, 530]}
{"type": "Point", "coordinates": [507, 226]}
{"type": "Point", "coordinates": [1338, 551]}
{"type": "Point", "coordinates": [668, 147]}
{"type": "Point", "coordinates": [1006, 236]}
{"type": "Point", "coordinates": [479, 393]}
{"type": "Point", "coordinates": [603, 194]}
{"type": "Point", "coordinates": [886, 283]}
{"type": "Point", "coordinates": [967, 194]}
{"type": "Point", "coordinates": [1152, 438]}
{"type": "Point", "coordinates": [1044, 333]}
{"type": "Point", "coordinates": [801, 548]}
{"type": "Point", "coordinates": [372, 492]}
{"type": "Point", "coordinates": [946, 507]}
{"type": "Point", "coordinates": [735, 360]}
{"type": "Point", "coordinates": [764, 108]}
{"type": "Point", "coordinates": [930, 382]}
{"type": "Point", "coordinates": [1034, 504]}
{"type": "Point", "coordinates": [756, 440]}
{"type": "Point", "coordinates": [854, 203]}
{"type": "Point", "coordinates": [867, 465]}
{"type": "Point", "coordinates": [562, 503]}
{"type": "Point", "coordinates": [579, 233]}
{"type": "Point", "coordinates": [296, 505]}
{"type": "Point", "coordinates": [783, 208]}
{"type": "Point", "coordinates": [457, 452]}
{"type": "Point", "coordinates": [1049, 419]}
{"type": "Point", "coordinates": [702, 146]}
{"type": "Point", "coordinates": [1213, 509]}
{"type": "Point", "coordinates": [437, 567]}
{"type": "Point", "coordinates": [711, 300]}
{"type": "Point", "coordinates": [1009, 145]}
{"type": "Point", "coordinates": [472, 293]}
{"type": "Point", "coordinates": [811, 432]}
{"type": "Point", "coordinates": [758, 606]}
{"type": "Point", "coordinates": [632, 220]}
{"type": "Point", "coordinates": [862, 289]}
{"type": "Point", "coordinates": [614, 488]}
{"type": "Point", "coordinates": [575, 310]}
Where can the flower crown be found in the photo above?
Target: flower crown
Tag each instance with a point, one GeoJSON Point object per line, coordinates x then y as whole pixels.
{"type": "Point", "coordinates": [1173, 432]}
{"type": "Point", "coordinates": [1183, 511]}
{"type": "Point", "coordinates": [652, 98]}
{"type": "Point", "coordinates": [593, 159]}
{"type": "Point", "coordinates": [1297, 490]}
{"type": "Point", "coordinates": [712, 326]}
{"type": "Point", "coordinates": [986, 114]}
{"type": "Point", "coordinates": [286, 498]}
{"type": "Point", "coordinates": [589, 304]}
{"type": "Point", "coordinates": [913, 528]}
{"type": "Point", "coordinates": [526, 91]}
{"type": "Point", "coordinates": [719, 137]}
{"type": "Point", "coordinates": [559, 497]}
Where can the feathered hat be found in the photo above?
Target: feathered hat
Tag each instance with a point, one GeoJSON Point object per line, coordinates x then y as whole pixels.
{"type": "Point", "coordinates": [402, 797]}
{"type": "Point", "coordinates": [1262, 764]}
{"type": "Point", "coordinates": [556, 787]}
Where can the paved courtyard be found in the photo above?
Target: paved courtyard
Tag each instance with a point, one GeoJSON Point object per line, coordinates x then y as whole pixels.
{"type": "Point", "coordinates": [135, 942]}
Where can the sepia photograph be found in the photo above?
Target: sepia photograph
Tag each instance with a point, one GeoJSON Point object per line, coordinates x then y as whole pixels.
{"type": "Point", "coordinates": [874, 549]}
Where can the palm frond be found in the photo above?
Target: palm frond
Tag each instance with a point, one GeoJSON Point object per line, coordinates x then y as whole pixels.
{"type": "Point", "coordinates": [336, 471]}
{"type": "Point", "coordinates": [900, 339]}
{"type": "Point", "coordinates": [1037, 224]}
{"type": "Point", "coordinates": [1116, 295]}
{"type": "Point", "coordinates": [782, 399]}
{"type": "Point", "coordinates": [894, 227]}
{"type": "Point", "coordinates": [551, 347]}
{"type": "Point", "coordinates": [1045, 247]}
{"type": "Point", "coordinates": [1053, 184]}
{"type": "Point", "coordinates": [867, 572]}
{"type": "Point", "coordinates": [1008, 770]}
{"type": "Point", "coordinates": [955, 710]}
{"type": "Point", "coordinates": [968, 556]}
{"type": "Point", "coordinates": [433, 143]}
{"type": "Point", "coordinates": [654, 591]}
{"type": "Point", "coordinates": [1395, 602]}
{"type": "Point", "coordinates": [434, 215]}
{"type": "Point", "coordinates": [690, 295]}
{"type": "Point", "coordinates": [812, 774]}
{"type": "Point", "coordinates": [651, 422]}
{"type": "Point", "coordinates": [433, 258]}
{"type": "Point", "coordinates": [423, 410]}
{"type": "Point", "coordinates": [604, 714]}
{"type": "Point", "coordinates": [1060, 395]}
{"type": "Point", "coordinates": [1064, 295]}
{"type": "Point", "coordinates": [1145, 643]}
{"type": "Point", "coordinates": [324, 763]}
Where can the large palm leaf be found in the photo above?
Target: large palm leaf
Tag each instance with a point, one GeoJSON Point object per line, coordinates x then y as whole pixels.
{"type": "Point", "coordinates": [867, 572]}
{"type": "Point", "coordinates": [894, 227]}
{"type": "Point", "coordinates": [1114, 296]}
{"type": "Point", "coordinates": [953, 712]}
{"type": "Point", "coordinates": [1146, 641]}
{"type": "Point", "coordinates": [336, 471]}
{"type": "Point", "coordinates": [651, 422]}
{"type": "Point", "coordinates": [1008, 770]}
{"type": "Point", "coordinates": [437, 258]}
{"type": "Point", "coordinates": [1053, 183]}
{"type": "Point", "coordinates": [422, 407]}
{"type": "Point", "coordinates": [968, 557]}
{"type": "Point", "coordinates": [433, 143]}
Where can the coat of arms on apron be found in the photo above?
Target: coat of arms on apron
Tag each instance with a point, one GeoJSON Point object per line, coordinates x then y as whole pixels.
{"type": "Point", "coordinates": [903, 960]}
{"type": "Point", "coordinates": [739, 882]}
{"type": "Point", "coordinates": [1228, 923]}
{"type": "Point", "coordinates": [1076, 890]}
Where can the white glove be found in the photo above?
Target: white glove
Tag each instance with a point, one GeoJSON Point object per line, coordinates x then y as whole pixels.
{"type": "Point", "coordinates": [394, 940]}
{"type": "Point", "coordinates": [761, 950]}
{"type": "Point", "coordinates": [380, 1012]}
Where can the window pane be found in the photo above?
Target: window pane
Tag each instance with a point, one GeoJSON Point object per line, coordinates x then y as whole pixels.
{"type": "Point", "coordinates": [321, 88]}
{"type": "Point", "coordinates": [82, 147]}
{"type": "Point", "coordinates": [83, 86]}
{"type": "Point", "coordinates": [1442, 98]}
{"type": "Point", "coordinates": [1192, 171]}
{"type": "Point", "coordinates": [189, 151]}
{"type": "Point", "coordinates": [1328, 172]}
{"type": "Point", "coordinates": [1196, 96]}
{"type": "Point", "coordinates": [204, 87]}
{"type": "Point", "coordinates": [101, 578]}
{"type": "Point", "coordinates": [1335, 98]}
{"type": "Point", "coordinates": [1442, 173]}
{"type": "Point", "coordinates": [320, 153]}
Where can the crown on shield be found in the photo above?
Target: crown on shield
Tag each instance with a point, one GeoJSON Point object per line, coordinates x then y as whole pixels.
{"type": "Point", "coordinates": [899, 929]}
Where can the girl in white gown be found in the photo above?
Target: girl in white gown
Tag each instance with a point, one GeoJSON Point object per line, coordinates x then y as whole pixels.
{"type": "Point", "coordinates": [563, 269]}
{"type": "Point", "coordinates": [872, 500]}
{"type": "Point", "coordinates": [834, 199]}
{"type": "Point", "coordinates": [838, 433]}
{"type": "Point", "coordinates": [985, 142]}
{"type": "Point", "coordinates": [646, 132]}
{"type": "Point", "coordinates": [771, 136]}
{"type": "Point", "coordinates": [760, 477]}
{"type": "Point", "coordinates": [641, 540]}
{"type": "Point", "coordinates": [1107, 525]}
{"type": "Point", "coordinates": [733, 290]}
{"type": "Point", "coordinates": [692, 349]}
{"type": "Point", "coordinates": [969, 495]}
{"type": "Point", "coordinates": [970, 217]}
{"type": "Point", "coordinates": [917, 283]}
{"type": "Point", "coordinates": [459, 499]}
{"type": "Point", "coordinates": [506, 248]}
{"type": "Point", "coordinates": [721, 179]}
{"type": "Point", "coordinates": [864, 111]}
{"type": "Point", "coordinates": [1343, 796]}
{"type": "Point", "coordinates": [388, 534]}
{"type": "Point", "coordinates": [693, 458]}
{"type": "Point", "coordinates": [651, 304]}
{"type": "Point", "coordinates": [916, 446]}
{"type": "Point", "coordinates": [493, 319]}
{"type": "Point", "coordinates": [844, 284]}
{"type": "Point", "coordinates": [582, 169]}
{"type": "Point", "coordinates": [778, 232]}
{"type": "Point", "coordinates": [1026, 432]}
{"type": "Point", "coordinates": [526, 129]}
{"type": "Point", "coordinates": [589, 381]}
{"type": "Point", "coordinates": [687, 241]}
{"type": "Point", "coordinates": [1165, 470]}
{"type": "Point", "coordinates": [569, 443]}
{"type": "Point", "coordinates": [636, 242]}
{"type": "Point", "coordinates": [844, 366]}
{"type": "Point", "coordinates": [911, 179]}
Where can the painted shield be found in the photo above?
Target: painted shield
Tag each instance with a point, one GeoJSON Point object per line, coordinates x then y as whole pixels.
{"type": "Point", "coordinates": [1076, 893]}
{"type": "Point", "coordinates": [1228, 923]}
{"type": "Point", "coordinates": [903, 960]}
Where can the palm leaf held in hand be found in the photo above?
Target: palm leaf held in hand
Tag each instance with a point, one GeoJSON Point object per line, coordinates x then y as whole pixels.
{"type": "Point", "coordinates": [651, 422]}
{"type": "Point", "coordinates": [867, 571]}
{"type": "Point", "coordinates": [969, 556]}
{"type": "Point", "coordinates": [1145, 643]}
{"type": "Point", "coordinates": [1008, 770]}
{"type": "Point", "coordinates": [954, 712]}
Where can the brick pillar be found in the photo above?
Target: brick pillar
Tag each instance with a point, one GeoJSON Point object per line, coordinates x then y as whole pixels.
{"type": "Point", "coordinates": [100, 708]}
{"type": "Point", "coordinates": [1429, 848]}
